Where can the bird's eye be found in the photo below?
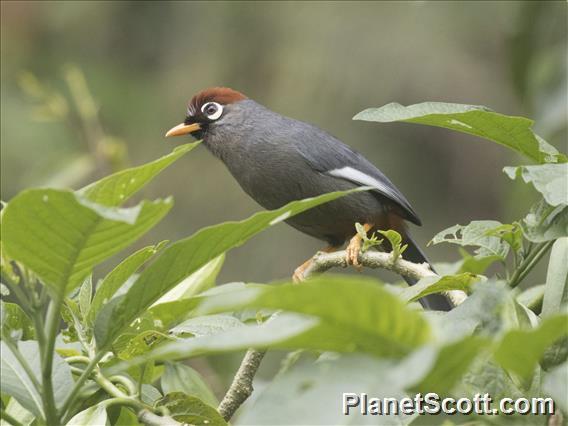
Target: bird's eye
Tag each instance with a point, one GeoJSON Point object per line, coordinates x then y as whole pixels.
{"type": "Point", "coordinates": [212, 110]}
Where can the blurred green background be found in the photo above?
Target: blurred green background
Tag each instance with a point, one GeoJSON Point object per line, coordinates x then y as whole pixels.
{"type": "Point", "coordinates": [320, 62]}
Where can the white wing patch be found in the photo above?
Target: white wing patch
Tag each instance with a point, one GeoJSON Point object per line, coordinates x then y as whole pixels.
{"type": "Point", "coordinates": [358, 176]}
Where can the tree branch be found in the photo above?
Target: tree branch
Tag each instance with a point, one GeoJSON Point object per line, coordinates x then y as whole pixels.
{"type": "Point", "coordinates": [322, 261]}
{"type": "Point", "coordinates": [241, 387]}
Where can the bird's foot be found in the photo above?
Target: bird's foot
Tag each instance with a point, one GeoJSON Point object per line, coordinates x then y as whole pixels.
{"type": "Point", "coordinates": [298, 275]}
{"type": "Point", "coordinates": [352, 251]}
{"type": "Point", "coordinates": [354, 247]}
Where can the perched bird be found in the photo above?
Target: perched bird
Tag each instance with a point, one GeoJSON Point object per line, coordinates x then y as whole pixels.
{"type": "Point", "coordinates": [276, 159]}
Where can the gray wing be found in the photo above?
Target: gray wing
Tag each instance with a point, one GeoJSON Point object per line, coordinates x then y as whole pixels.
{"type": "Point", "coordinates": [330, 156]}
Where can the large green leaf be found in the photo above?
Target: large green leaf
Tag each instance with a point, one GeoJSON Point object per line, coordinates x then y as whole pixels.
{"type": "Point", "coordinates": [430, 285]}
{"type": "Point", "coordinates": [532, 297]}
{"type": "Point", "coordinates": [190, 410]}
{"type": "Point", "coordinates": [483, 308]}
{"type": "Point", "coordinates": [276, 333]}
{"type": "Point", "coordinates": [61, 236]}
{"type": "Point", "coordinates": [200, 280]}
{"type": "Point", "coordinates": [520, 350]}
{"type": "Point", "coordinates": [475, 234]}
{"type": "Point", "coordinates": [118, 276]}
{"type": "Point", "coordinates": [313, 394]}
{"type": "Point", "coordinates": [85, 295]}
{"type": "Point", "coordinates": [177, 311]}
{"type": "Point", "coordinates": [556, 291]}
{"type": "Point", "coordinates": [545, 223]}
{"type": "Point", "coordinates": [188, 255]}
{"type": "Point", "coordinates": [17, 412]}
{"type": "Point", "coordinates": [179, 377]}
{"type": "Point", "coordinates": [468, 263]}
{"type": "Point", "coordinates": [551, 180]}
{"type": "Point", "coordinates": [513, 132]}
{"type": "Point", "coordinates": [556, 385]}
{"type": "Point", "coordinates": [205, 325]}
{"type": "Point", "coordinates": [115, 189]}
{"type": "Point", "coordinates": [92, 416]}
{"type": "Point", "coordinates": [452, 362]}
{"type": "Point", "coordinates": [374, 320]}
{"type": "Point", "coordinates": [16, 382]}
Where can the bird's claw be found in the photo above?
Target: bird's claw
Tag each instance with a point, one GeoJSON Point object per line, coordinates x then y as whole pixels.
{"type": "Point", "coordinates": [298, 275]}
{"type": "Point", "coordinates": [352, 251]}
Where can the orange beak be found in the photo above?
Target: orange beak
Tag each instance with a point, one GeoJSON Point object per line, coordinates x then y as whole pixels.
{"type": "Point", "coordinates": [183, 129]}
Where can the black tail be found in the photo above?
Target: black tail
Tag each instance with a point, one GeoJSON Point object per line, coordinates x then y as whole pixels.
{"type": "Point", "coordinates": [433, 302]}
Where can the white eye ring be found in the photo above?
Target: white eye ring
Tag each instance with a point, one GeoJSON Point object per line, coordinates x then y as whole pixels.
{"type": "Point", "coordinates": [216, 112]}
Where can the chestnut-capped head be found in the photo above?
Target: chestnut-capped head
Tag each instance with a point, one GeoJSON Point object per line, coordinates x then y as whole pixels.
{"type": "Point", "coordinates": [204, 110]}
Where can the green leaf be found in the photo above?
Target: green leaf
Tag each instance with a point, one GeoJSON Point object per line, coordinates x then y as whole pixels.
{"type": "Point", "coordinates": [115, 189]}
{"type": "Point", "coordinates": [276, 333]}
{"type": "Point", "coordinates": [513, 132]}
{"type": "Point", "coordinates": [146, 373]}
{"type": "Point", "coordinates": [150, 394]}
{"type": "Point", "coordinates": [485, 376]}
{"type": "Point", "coordinates": [551, 180]}
{"type": "Point", "coordinates": [200, 280]}
{"type": "Point", "coordinates": [512, 234]}
{"type": "Point", "coordinates": [127, 418]}
{"type": "Point", "coordinates": [92, 416]}
{"type": "Point", "coordinates": [61, 237]}
{"type": "Point", "coordinates": [373, 321]}
{"type": "Point", "coordinates": [16, 383]}
{"type": "Point", "coordinates": [368, 242]}
{"type": "Point", "coordinates": [19, 413]}
{"type": "Point", "coordinates": [206, 325]}
{"type": "Point", "coordinates": [520, 350]}
{"type": "Point", "coordinates": [452, 362]}
{"type": "Point", "coordinates": [178, 377]}
{"type": "Point", "coordinates": [6, 267]}
{"type": "Point", "coordinates": [312, 394]}
{"type": "Point", "coordinates": [468, 263]}
{"type": "Point", "coordinates": [177, 311]}
{"type": "Point", "coordinates": [556, 385]}
{"type": "Point", "coordinates": [395, 240]}
{"type": "Point", "coordinates": [545, 223]}
{"type": "Point", "coordinates": [188, 255]}
{"type": "Point", "coordinates": [555, 354]}
{"type": "Point", "coordinates": [139, 337]}
{"type": "Point", "coordinates": [482, 308]}
{"type": "Point", "coordinates": [430, 285]}
{"type": "Point", "coordinates": [191, 410]}
{"type": "Point", "coordinates": [556, 292]}
{"type": "Point", "coordinates": [118, 276]}
{"type": "Point", "coordinates": [61, 376]}
{"type": "Point", "coordinates": [15, 323]}
{"type": "Point", "coordinates": [475, 234]}
{"type": "Point", "coordinates": [85, 294]}
{"type": "Point", "coordinates": [532, 297]}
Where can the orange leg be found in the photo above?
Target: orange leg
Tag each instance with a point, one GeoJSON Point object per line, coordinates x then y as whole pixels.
{"type": "Point", "coordinates": [354, 247]}
{"type": "Point", "coordinates": [299, 272]}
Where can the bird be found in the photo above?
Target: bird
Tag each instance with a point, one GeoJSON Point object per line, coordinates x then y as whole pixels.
{"type": "Point", "coordinates": [276, 160]}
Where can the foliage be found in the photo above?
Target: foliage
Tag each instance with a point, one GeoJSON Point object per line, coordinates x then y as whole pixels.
{"type": "Point", "coordinates": [121, 352]}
